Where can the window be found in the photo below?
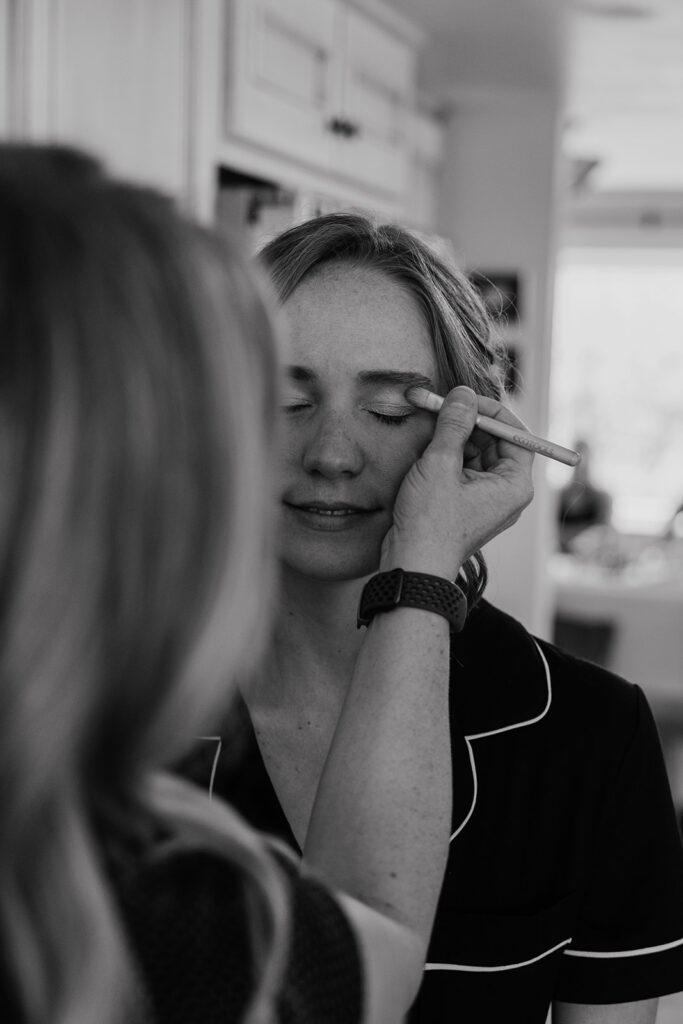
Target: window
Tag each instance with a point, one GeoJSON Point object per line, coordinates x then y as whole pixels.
{"type": "Point", "coordinates": [617, 376]}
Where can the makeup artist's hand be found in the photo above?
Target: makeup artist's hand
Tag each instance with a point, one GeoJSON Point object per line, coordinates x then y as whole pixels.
{"type": "Point", "coordinates": [465, 488]}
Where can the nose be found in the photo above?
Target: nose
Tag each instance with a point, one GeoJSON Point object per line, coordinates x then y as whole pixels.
{"type": "Point", "coordinates": [331, 450]}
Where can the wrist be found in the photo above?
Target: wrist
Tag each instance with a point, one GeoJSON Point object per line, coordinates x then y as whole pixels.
{"type": "Point", "coordinates": [412, 558]}
{"type": "Point", "coordinates": [399, 587]}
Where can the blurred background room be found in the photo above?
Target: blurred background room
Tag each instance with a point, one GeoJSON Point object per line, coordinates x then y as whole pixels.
{"type": "Point", "coordinates": [540, 142]}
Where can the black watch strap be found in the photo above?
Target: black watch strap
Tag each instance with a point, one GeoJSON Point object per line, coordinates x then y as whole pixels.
{"type": "Point", "coordinates": [399, 588]}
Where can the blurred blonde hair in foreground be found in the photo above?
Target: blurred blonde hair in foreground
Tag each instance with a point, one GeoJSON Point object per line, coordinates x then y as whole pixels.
{"type": "Point", "coordinates": [137, 384]}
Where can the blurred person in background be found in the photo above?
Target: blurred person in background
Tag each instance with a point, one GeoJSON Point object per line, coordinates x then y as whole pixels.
{"type": "Point", "coordinates": [674, 528]}
{"type": "Point", "coordinates": [581, 503]}
{"type": "Point", "coordinates": [138, 387]}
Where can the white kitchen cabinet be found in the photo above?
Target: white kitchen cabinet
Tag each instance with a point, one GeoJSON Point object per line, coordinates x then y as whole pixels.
{"type": "Point", "coordinates": [120, 79]}
{"type": "Point", "coordinates": [313, 95]}
{"type": "Point", "coordinates": [322, 83]}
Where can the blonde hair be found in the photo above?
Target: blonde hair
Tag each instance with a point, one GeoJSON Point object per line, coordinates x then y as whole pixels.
{"type": "Point", "coordinates": [137, 385]}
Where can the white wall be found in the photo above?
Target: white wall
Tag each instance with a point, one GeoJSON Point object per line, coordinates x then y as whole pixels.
{"type": "Point", "coordinates": [499, 206]}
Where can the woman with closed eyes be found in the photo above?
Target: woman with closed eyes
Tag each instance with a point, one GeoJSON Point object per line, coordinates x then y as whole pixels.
{"type": "Point", "coordinates": [564, 882]}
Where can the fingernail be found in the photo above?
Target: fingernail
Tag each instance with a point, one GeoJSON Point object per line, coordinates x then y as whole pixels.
{"type": "Point", "coordinates": [464, 395]}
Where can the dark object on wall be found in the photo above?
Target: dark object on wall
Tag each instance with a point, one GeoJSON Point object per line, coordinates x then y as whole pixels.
{"type": "Point", "coordinates": [500, 292]}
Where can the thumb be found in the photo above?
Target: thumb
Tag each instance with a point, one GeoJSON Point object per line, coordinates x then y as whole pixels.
{"type": "Point", "coordinates": [457, 419]}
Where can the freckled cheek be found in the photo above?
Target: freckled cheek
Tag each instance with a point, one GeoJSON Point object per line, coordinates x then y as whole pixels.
{"type": "Point", "coordinates": [287, 453]}
{"type": "Point", "coordinates": [399, 455]}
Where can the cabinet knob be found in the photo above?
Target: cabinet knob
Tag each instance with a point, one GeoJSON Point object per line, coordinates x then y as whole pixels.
{"type": "Point", "coordinates": [336, 125]}
{"type": "Point", "coordinates": [342, 126]}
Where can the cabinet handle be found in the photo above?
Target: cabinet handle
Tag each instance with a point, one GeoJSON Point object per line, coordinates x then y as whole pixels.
{"type": "Point", "coordinates": [336, 125]}
{"type": "Point", "coordinates": [342, 126]}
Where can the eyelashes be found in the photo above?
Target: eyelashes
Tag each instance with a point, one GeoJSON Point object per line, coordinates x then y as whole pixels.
{"type": "Point", "coordinates": [388, 419]}
{"type": "Point", "coordinates": [394, 421]}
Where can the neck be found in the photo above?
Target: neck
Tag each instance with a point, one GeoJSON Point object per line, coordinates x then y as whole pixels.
{"type": "Point", "coordinates": [316, 642]}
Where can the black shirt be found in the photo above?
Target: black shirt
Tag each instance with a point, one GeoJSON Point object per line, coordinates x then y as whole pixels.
{"type": "Point", "coordinates": [565, 875]}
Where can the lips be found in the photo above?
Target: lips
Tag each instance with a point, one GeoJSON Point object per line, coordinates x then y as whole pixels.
{"type": "Point", "coordinates": [329, 508]}
{"type": "Point", "coordinates": [328, 515]}
{"type": "Point", "coordinates": [330, 511]}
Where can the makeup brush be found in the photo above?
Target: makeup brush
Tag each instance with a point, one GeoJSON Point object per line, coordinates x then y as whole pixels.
{"type": "Point", "coordinates": [428, 400]}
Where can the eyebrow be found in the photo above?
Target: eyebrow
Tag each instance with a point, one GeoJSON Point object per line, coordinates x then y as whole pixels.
{"type": "Point", "coordinates": [401, 378]}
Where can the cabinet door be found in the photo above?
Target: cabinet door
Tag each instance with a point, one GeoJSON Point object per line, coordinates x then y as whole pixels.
{"type": "Point", "coordinates": [111, 76]}
{"type": "Point", "coordinates": [379, 90]}
{"type": "Point", "coordinates": [427, 148]}
{"type": "Point", "coordinates": [284, 75]}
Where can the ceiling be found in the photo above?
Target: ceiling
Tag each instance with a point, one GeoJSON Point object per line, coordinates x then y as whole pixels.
{"type": "Point", "coordinates": [617, 64]}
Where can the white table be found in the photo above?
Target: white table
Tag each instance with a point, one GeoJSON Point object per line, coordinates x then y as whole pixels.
{"type": "Point", "coordinates": [647, 612]}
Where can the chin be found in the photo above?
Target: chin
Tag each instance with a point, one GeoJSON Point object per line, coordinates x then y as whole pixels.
{"type": "Point", "coordinates": [331, 569]}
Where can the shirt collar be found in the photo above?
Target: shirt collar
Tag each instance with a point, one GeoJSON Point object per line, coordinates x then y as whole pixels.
{"type": "Point", "coordinates": [500, 679]}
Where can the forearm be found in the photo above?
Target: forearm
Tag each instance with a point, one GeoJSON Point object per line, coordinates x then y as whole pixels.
{"type": "Point", "coordinates": [381, 820]}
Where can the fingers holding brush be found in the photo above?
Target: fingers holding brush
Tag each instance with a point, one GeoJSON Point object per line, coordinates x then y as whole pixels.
{"type": "Point", "coordinates": [497, 421]}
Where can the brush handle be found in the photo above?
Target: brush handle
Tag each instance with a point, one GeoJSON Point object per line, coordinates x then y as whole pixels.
{"type": "Point", "coordinates": [428, 400]}
{"type": "Point", "coordinates": [527, 440]}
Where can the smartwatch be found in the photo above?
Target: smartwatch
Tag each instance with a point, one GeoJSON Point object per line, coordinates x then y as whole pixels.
{"type": "Point", "coordinates": [401, 589]}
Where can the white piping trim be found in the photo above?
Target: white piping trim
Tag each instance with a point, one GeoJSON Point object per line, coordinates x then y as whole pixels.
{"type": "Point", "coordinates": [504, 967]}
{"type": "Point", "coordinates": [214, 766]}
{"type": "Point", "coordinates": [474, 795]}
{"type": "Point", "coordinates": [625, 952]}
{"type": "Point", "coordinates": [495, 732]}
{"type": "Point", "coordinates": [530, 721]}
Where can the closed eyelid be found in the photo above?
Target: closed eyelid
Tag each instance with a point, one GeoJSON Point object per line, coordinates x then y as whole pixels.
{"type": "Point", "coordinates": [390, 396]}
{"type": "Point", "coordinates": [390, 388]}
{"type": "Point", "coordinates": [389, 407]}
{"type": "Point", "coordinates": [388, 400]}
{"type": "Point", "coordinates": [294, 395]}
{"type": "Point", "coordinates": [391, 379]}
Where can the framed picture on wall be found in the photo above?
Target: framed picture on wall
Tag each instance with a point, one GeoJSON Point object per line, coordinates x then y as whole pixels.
{"type": "Point", "coordinates": [500, 292]}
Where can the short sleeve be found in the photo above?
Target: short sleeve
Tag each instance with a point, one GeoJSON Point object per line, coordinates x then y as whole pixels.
{"type": "Point", "coordinates": [187, 924]}
{"type": "Point", "coordinates": [627, 943]}
{"type": "Point", "coordinates": [323, 976]}
{"type": "Point", "coordinates": [187, 920]}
